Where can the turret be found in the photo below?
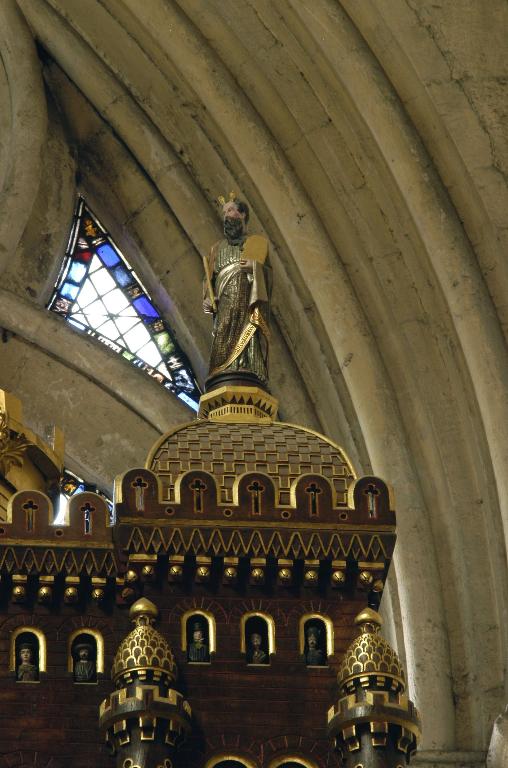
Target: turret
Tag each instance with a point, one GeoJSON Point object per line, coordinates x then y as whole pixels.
{"type": "Point", "coordinates": [374, 723]}
{"type": "Point", "coordinates": [146, 718]}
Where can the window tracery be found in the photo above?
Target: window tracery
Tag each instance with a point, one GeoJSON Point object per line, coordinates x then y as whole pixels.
{"type": "Point", "coordinates": [99, 293]}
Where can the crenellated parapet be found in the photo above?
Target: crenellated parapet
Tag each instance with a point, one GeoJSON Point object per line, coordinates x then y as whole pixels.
{"type": "Point", "coordinates": [304, 529]}
{"type": "Point", "coordinates": [44, 562]}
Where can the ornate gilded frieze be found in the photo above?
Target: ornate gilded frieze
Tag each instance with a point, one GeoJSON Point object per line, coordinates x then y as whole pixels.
{"type": "Point", "coordinates": [26, 461]}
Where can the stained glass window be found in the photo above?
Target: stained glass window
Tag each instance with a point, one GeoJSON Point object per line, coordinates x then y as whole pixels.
{"type": "Point", "coordinates": [100, 294]}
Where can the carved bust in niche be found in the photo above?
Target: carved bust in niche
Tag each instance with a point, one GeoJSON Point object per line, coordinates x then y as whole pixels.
{"type": "Point", "coordinates": [197, 649]}
{"type": "Point", "coordinates": [315, 655]}
{"type": "Point", "coordinates": [257, 655]}
{"type": "Point", "coordinates": [27, 670]}
{"type": "Point", "coordinates": [84, 652]}
{"type": "Point", "coordinates": [256, 640]}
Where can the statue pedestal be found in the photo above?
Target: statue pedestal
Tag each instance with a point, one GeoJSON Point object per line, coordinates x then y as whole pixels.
{"type": "Point", "coordinates": [235, 404]}
{"type": "Point", "coordinates": [233, 379]}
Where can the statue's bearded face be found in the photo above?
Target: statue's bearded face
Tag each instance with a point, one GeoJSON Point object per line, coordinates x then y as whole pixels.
{"type": "Point", "coordinates": [234, 228]}
{"type": "Point", "coordinates": [234, 221]}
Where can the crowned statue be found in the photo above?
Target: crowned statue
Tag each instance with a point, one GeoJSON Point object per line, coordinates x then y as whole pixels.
{"type": "Point", "coordinates": [236, 292]}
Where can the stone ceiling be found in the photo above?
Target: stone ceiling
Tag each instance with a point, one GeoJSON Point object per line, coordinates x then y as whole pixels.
{"type": "Point", "coordinates": [370, 141]}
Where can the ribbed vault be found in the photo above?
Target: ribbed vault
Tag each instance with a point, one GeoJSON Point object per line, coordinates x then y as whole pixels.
{"type": "Point", "coordinates": [368, 140]}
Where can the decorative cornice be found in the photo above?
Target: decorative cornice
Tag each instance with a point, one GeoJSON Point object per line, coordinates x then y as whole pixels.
{"type": "Point", "coordinates": [238, 404]}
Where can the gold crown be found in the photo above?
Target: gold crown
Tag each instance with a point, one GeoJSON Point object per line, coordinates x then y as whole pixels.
{"type": "Point", "coordinates": [222, 200]}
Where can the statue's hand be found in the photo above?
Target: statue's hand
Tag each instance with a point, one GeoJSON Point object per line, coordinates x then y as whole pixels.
{"type": "Point", "coordinates": [207, 306]}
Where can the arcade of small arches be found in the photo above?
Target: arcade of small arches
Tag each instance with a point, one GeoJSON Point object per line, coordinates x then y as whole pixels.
{"type": "Point", "coordinates": [239, 761]}
{"type": "Point", "coordinates": [199, 643]}
{"type": "Point", "coordinates": [28, 656]}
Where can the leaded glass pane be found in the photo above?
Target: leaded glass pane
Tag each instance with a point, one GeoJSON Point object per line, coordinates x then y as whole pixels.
{"type": "Point", "coordinates": [103, 282]}
{"type": "Point", "coordinates": [99, 293]}
{"type": "Point", "coordinates": [110, 330]}
{"type": "Point", "coordinates": [136, 337]}
{"type": "Point", "coordinates": [115, 301]}
{"type": "Point", "coordinates": [87, 294]}
{"type": "Point", "coordinates": [150, 354]}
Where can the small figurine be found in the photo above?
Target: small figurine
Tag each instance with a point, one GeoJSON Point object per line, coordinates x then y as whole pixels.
{"type": "Point", "coordinates": [198, 649]}
{"type": "Point", "coordinates": [27, 671]}
{"type": "Point", "coordinates": [84, 666]}
{"type": "Point", "coordinates": [256, 654]}
{"type": "Point", "coordinates": [314, 656]}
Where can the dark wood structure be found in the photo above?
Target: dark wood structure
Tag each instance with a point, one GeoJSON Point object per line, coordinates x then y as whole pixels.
{"type": "Point", "coordinates": [238, 526]}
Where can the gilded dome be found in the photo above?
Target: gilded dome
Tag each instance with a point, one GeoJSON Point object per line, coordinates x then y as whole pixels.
{"type": "Point", "coordinates": [282, 451]}
{"type": "Point", "coordinates": [144, 650]}
{"type": "Point", "coordinates": [370, 654]}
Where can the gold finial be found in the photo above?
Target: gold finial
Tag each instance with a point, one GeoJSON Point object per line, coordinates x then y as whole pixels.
{"type": "Point", "coordinates": [369, 621]}
{"type": "Point", "coordinates": [143, 611]}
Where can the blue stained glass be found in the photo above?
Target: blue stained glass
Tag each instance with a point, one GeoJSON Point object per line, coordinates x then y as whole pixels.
{"type": "Point", "coordinates": [69, 291]}
{"type": "Point", "coordinates": [145, 339]}
{"type": "Point", "coordinates": [122, 276]}
{"type": "Point", "coordinates": [145, 307]}
{"type": "Point", "coordinates": [189, 401]}
{"type": "Point", "coordinates": [77, 272]}
{"type": "Point", "coordinates": [108, 255]}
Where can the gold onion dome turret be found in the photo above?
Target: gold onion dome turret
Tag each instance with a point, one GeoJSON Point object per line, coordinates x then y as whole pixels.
{"type": "Point", "coordinates": [144, 653]}
{"type": "Point", "coordinates": [374, 722]}
{"type": "Point", "coordinates": [145, 718]}
{"type": "Point", "coordinates": [370, 654]}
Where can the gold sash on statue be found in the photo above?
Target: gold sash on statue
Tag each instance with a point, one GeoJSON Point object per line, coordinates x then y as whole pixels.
{"type": "Point", "coordinates": [256, 321]}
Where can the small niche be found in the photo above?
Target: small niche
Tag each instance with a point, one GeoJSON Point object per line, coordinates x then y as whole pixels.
{"type": "Point", "coordinates": [27, 655]}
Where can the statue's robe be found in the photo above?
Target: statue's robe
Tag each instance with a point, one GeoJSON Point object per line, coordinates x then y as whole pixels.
{"type": "Point", "coordinates": [27, 672]}
{"type": "Point", "coordinates": [315, 657]}
{"type": "Point", "coordinates": [240, 336]}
